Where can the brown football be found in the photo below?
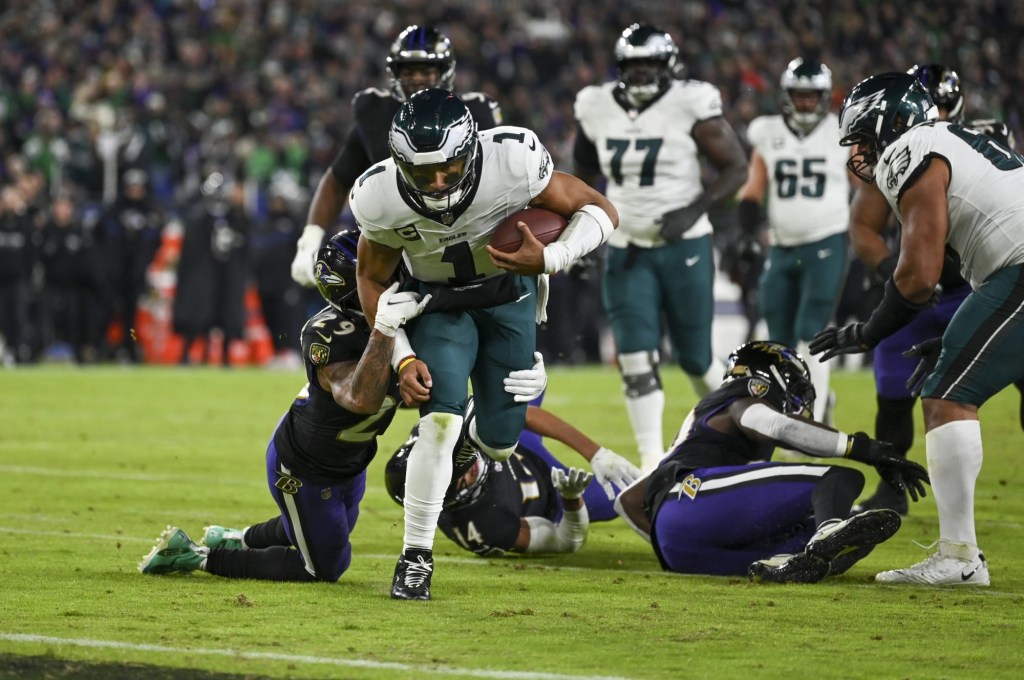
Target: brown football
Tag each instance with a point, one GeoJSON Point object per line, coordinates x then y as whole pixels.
{"type": "Point", "coordinates": [544, 224]}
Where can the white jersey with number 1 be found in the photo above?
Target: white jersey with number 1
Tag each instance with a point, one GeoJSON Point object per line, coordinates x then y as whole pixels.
{"type": "Point", "coordinates": [513, 167]}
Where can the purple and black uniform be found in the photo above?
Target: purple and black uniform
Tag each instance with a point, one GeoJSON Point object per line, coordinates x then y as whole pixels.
{"type": "Point", "coordinates": [367, 141]}
{"type": "Point", "coordinates": [488, 524]}
{"type": "Point", "coordinates": [892, 369]}
{"type": "Point", "coordinates": [316, 468]}
{"type": "Point", "coordinates": [715, 507]}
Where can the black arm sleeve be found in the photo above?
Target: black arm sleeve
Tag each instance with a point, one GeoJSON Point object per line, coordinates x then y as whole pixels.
{"type": "Point", "coordinates": [748, 214]}
{"type": "Point", "coordinates": [893, 313]}
{"type": "Point", "coordinates": [584, 155]}
{"type": "Point", "coordinates": [352, 161]}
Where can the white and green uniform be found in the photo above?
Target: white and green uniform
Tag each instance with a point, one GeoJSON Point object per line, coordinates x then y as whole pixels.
{"type": "Point", "coordinates": [808, 211]}
{"type": "Point", "coordinates": [651, 162]}
{"type": "Point", "coordinates": [512, 168]}
{"type": "Point", "coordinates": [981, 346]}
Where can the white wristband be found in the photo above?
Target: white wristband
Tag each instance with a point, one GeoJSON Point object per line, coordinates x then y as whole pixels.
{"type": "Point", "coordinates": [589, 227]}
{"type": "Point", "coordinates": [402, 348]}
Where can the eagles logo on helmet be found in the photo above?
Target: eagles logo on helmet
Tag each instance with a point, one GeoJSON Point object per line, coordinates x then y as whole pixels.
{"type": "Point", "coordinates": [646, 58]}
{"type": "Point", "coordinates": [804, 78]}
{"type": "Point", "coordinates": [433, 141]}
{"type": "Point", "coordinates": [876, 113]}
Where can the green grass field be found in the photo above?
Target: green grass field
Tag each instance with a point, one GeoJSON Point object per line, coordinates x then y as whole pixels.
{"type": "Point", "coordinates": [95, 462]}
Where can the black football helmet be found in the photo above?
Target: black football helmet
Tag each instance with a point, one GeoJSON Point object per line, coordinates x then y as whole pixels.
{"type": "Point", "coordinates": [996, 129]}
{"type": "Point", "coordinates": [335, 271]}
{"type": "Point", "coordinates": [421, 45]}
{"type": "Point", "coordinates": [943, 85]}
{"type": "Point", "coordinates": [465, 458]}
{"type": "Point", "coordinates": [877, 112]}
{"type": "Point", "coordinates": [779, 366]}
{"type": "Point", "coordinates": [805, 76]}
{"type": "Point", "coordinates": [646, 58]}
{"type": "Point", "coordinates": [433, 140]}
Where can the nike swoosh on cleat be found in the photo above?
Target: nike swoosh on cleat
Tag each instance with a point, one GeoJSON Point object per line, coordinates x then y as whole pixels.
{"type": "Point", "coordinates": [972, 572]}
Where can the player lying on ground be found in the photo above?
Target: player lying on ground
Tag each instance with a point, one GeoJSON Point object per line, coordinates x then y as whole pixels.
{"type": "Point", "coordinates": [317, 456]}
{"type": "Point", "coordinates": [531, 503]}
{"type": "Point", "coordinates": [716, 505]}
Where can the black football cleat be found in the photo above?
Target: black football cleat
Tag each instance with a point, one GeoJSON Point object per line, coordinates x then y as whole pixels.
{"type": "Point", "coordinates": [799, 568]}
{"type": "Point", "coordinates": [412, 575]}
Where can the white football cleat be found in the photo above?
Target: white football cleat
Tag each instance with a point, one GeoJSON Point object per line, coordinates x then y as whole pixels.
{"type": "Point", "coordinates": [953, 564]}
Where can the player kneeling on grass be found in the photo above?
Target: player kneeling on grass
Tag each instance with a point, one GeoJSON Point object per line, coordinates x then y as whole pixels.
{"type": "Point", "coordinates": [715, 505]}
{"type": "Point", "coordinates": [530, 503]}
{"type": "Point", "coordinates": [317, 456]}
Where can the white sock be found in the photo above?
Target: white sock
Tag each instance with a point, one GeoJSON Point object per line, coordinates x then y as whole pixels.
{"type": "Point", "coordinates": [428, 475]}
{"type": "Point", "coordinates": [710, 381]}
{"type": "Point", "coordinates": [645, 415]}
{"type": "Point", "coordinates": [954, 462]}
{"type": "Point", "coordinates": [820, 372]}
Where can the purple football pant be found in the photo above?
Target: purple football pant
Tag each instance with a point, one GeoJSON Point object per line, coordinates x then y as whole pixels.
{"type": "Point", "coordinates": [737, 515]}
{"type": "Point", "coordinates": [892, 369]}
{"type": "Point", "coordinates": [318, 518]}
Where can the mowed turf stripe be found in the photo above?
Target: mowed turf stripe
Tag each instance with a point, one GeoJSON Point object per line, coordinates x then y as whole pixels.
{"type": "Point", "coordinates": [299, 658]}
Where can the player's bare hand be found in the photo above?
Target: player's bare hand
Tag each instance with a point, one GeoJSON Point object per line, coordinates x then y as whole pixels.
{"type": "Point", "coordinates": [414, 383]}
{"type": "Point", "coordinates": [527, 261]}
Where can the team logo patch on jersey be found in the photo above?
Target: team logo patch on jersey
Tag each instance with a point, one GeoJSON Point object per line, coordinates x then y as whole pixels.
{"type": "Point", "coordinates": [319, 354]}
{"type": "Point", "coordinates": [897, 166]}
{"type": "Point", "coordinates": [757, 387]}
{"type": "Point", "coordinates": [689, 487]}
{"type": "Point", "coordinates": [288, 484]}
{"type": "Point", "coordinates": [325, 494]}
{"type": "Point", "coordinates": [409, 233]}
{"type": "Point", "coordinates": [545, 164]}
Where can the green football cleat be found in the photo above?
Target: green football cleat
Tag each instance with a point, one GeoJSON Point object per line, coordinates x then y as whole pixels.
{"type": "Point", "coordinates": [221, 537]}
{"type": "Point", "coordinates": [174, 551]}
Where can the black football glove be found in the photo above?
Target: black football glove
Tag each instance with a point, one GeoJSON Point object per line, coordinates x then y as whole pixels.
{"type": "Point", "coordinates": [834, 341]}
{"type": "Point", "coordinates": [675, 223]}
{"type": "Point", "coordinates": [899, 473]}
{"type": "Point", "coordinates": [928, 352]}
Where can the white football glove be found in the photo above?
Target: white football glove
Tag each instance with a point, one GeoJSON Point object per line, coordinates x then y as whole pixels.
{"type": "Point", "coordinates": [306, 249]}
{"type": "Point", "coordinates": [394, 309]}
{"type": "Point", "coordinates": [529, 383]}
{"type": "Point", "coordinates": [570, 483]}
{"type": "Point", "coordinates": [611, 468]}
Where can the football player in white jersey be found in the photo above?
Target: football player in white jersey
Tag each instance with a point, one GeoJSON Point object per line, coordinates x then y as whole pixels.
{"type": "Point", "coordinates": [950, 186]}
{"type": "Point", "coordinates": [435, 204]}
{"type": "Point", "coordinates": [799, 167]}
{"type": "Point", "coordinates": [644, 133]}
{"type": "Point", "coordinates": [420, 57]}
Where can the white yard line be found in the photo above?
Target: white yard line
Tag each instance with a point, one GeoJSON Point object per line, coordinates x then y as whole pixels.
{"type": "Point", "coordinates": [298, 658]}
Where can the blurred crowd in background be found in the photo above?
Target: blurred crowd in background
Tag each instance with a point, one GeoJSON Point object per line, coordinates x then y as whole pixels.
{"type": "Point", "coordinates": [157, 157]}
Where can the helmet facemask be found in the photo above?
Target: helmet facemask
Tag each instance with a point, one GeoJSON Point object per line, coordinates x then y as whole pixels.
{"type": "Point", "coordinates": [421, 46]}
{"type": "Point", "coordinates": [646, 58]}
{"type": "Point", "coordinates": [877, 112]}
{"type": "Point", "coordinates": [801, 78]}
{"type": "Point", "coordinates": [335, 272]}
{"type": "Point", "coordinates": [789, 380]}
